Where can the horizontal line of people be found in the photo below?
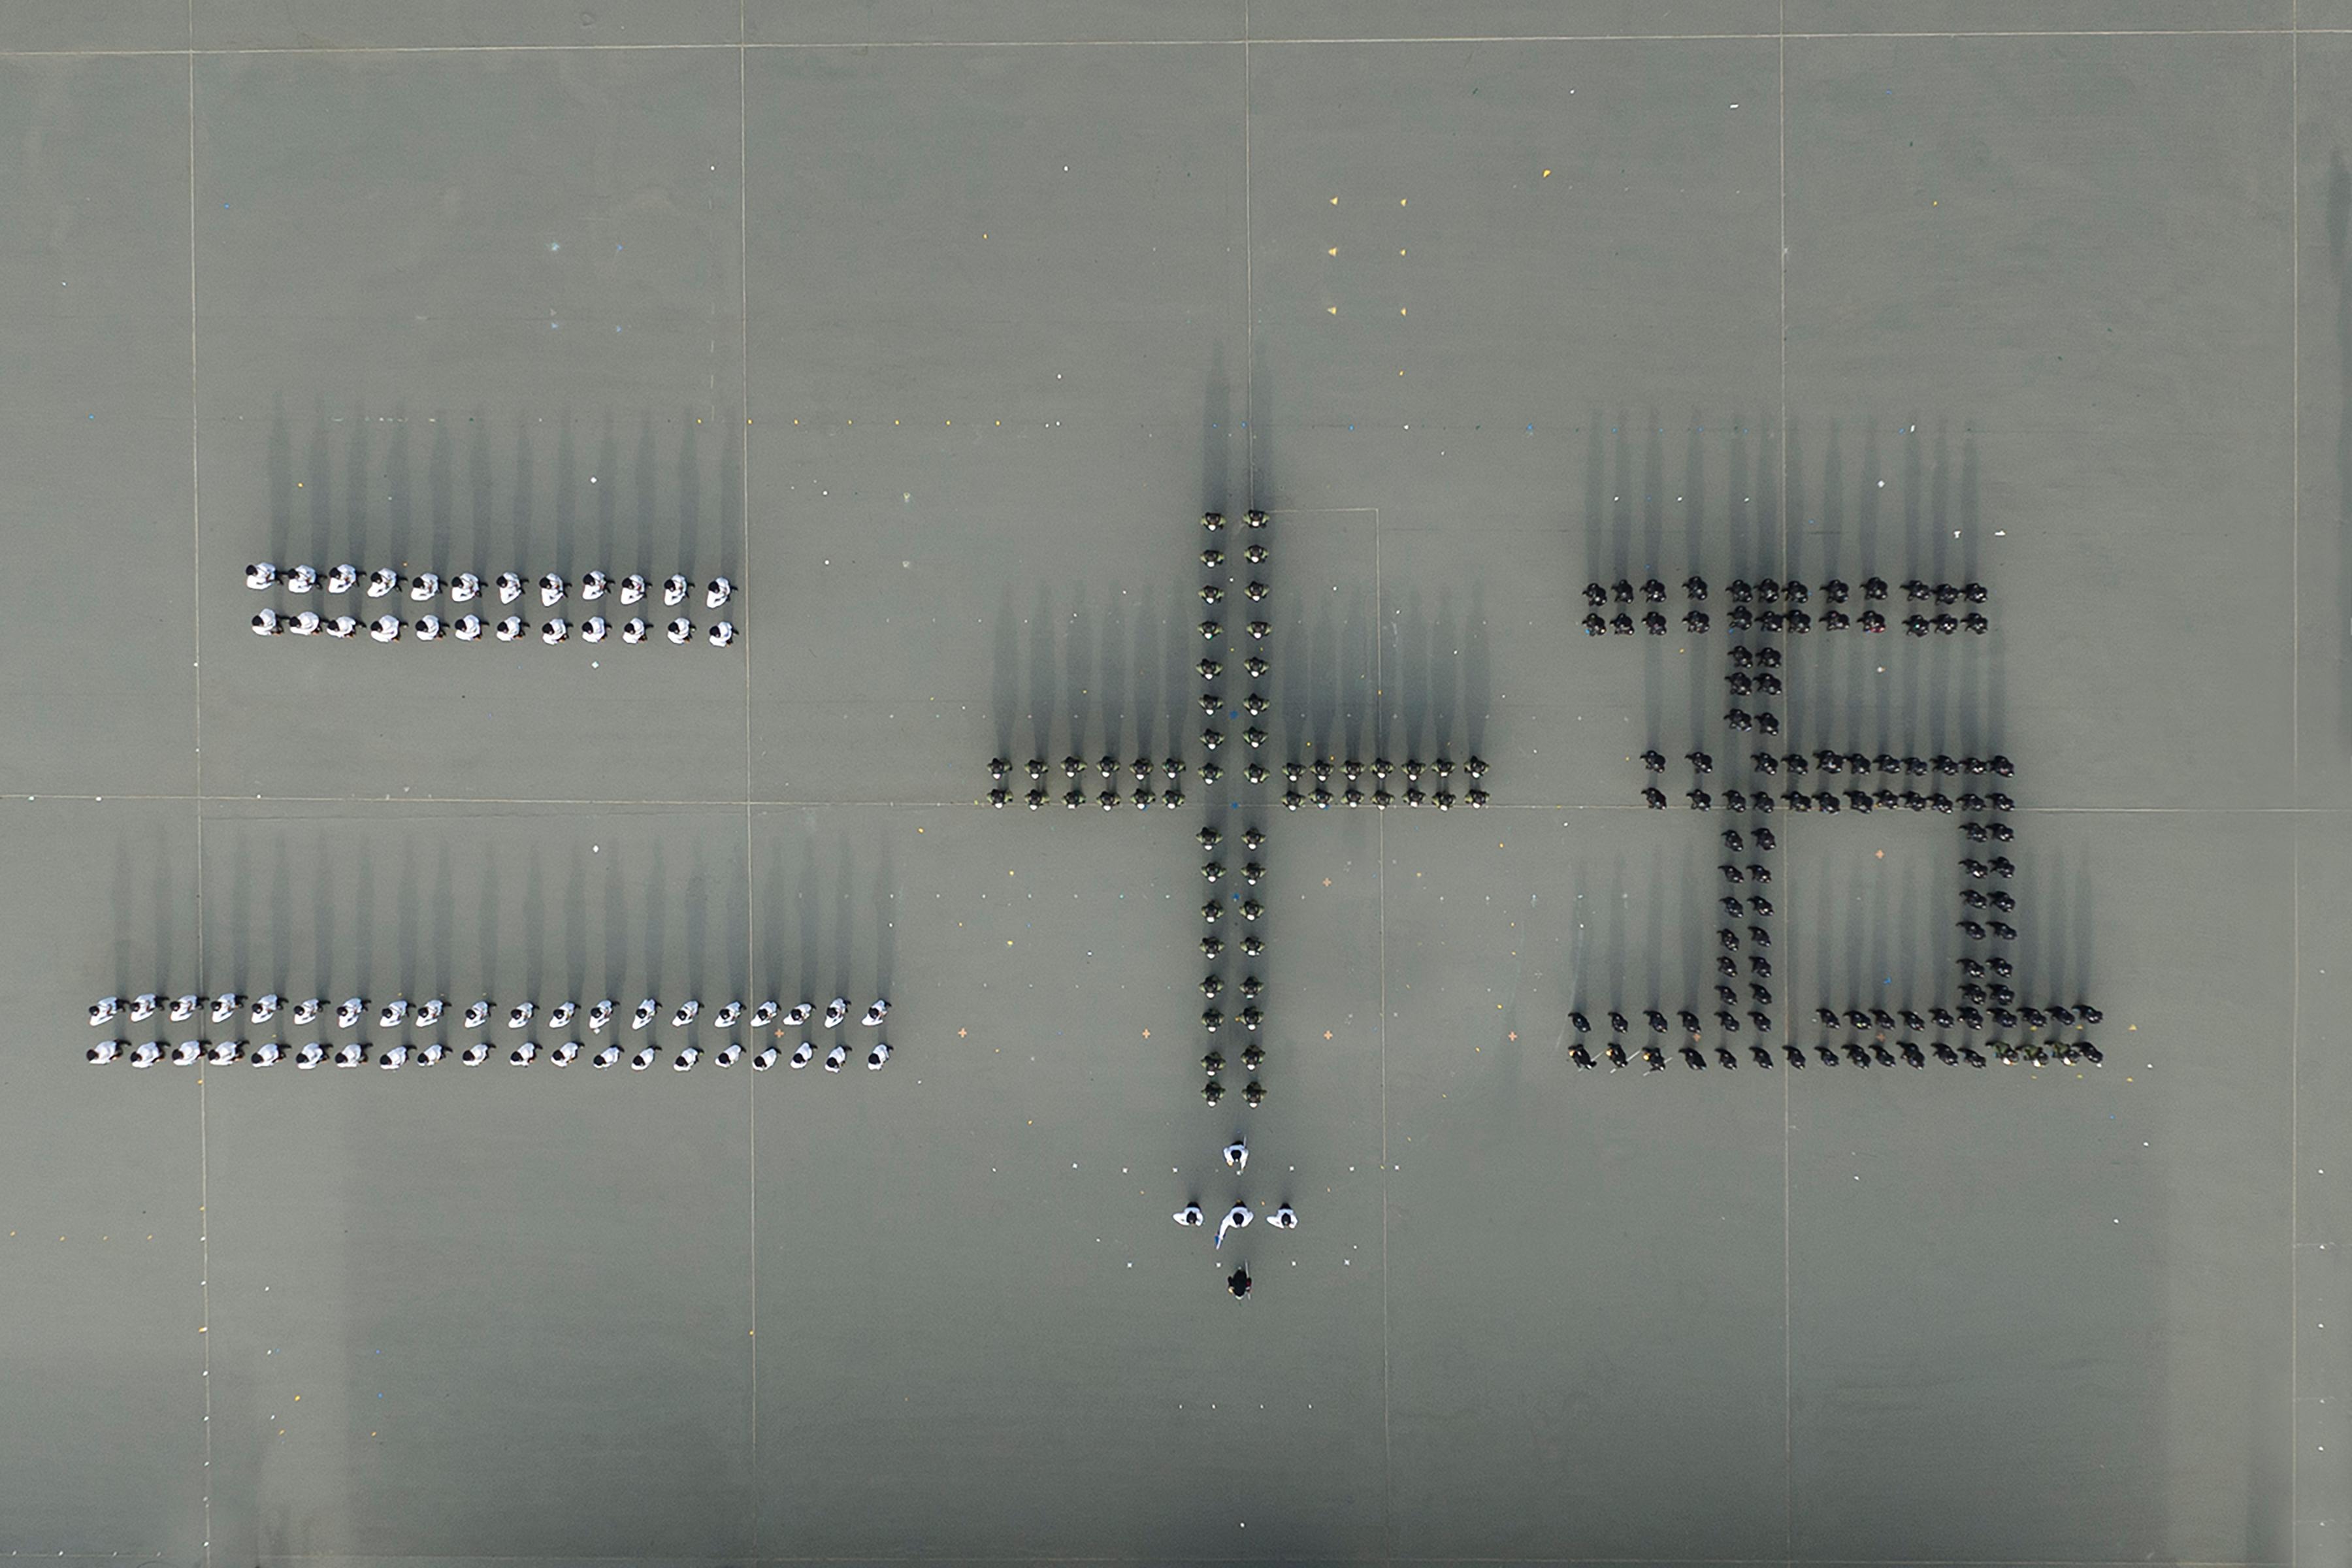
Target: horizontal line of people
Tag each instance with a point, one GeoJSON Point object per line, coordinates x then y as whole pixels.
{"type": "Point", "coordinates": [1832, 761]}
{"type": "Point", "coordinates": [1968, 1015]}
{"type": "Point", "coordinates": [463, 587]}
{"type": "Point", "coordinates": [1829, 803]}
{"type": "Point", "coordinates": [1237, 1217]}
{"type": "Point", "coordinates": [1740, 591]}
{"type": "Point", "coordinates": [352, 1012]}
{"type": "Point", "coordinates": [1698, 623]}
{"type": "Point", "coordinates": [359, 1054]}
{"type": "Point", "coordinates": [473, 629]}
{"type": "Point", "coordinates": [1860, 1053]}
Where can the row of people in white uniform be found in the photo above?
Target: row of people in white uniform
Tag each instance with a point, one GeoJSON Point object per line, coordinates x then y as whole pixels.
{"type": "Point", "coordinates": [386, 583]}
{"type": "Point", "coordinates": [1236, 1157]}
{"type": "Point", "coordinates": [1240, 1215]}
{"type": "Point", "coordinates": [353, 1011]}
{"type": "Point", "coordinates": [469, 628]}
{"type": "Point", "coordinates": [226, 1053]}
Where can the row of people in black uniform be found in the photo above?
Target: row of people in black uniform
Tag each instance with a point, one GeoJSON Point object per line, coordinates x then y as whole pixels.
{"type": "Point", "coordinates": [1862, 1053]}
{"type": "Point", "coordinates": [1740, 592]}
{"type": "Point", "coordinates": [1830, 803]}
{"type": "Point", "coordinates": [1742, 619]}
{"type": "Point", "coordinates": [1833, 761]}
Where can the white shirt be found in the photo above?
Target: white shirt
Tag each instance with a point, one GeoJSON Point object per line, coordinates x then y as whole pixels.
{"type": "Point", "coordinates": [685, 1014]}
{"type": "Point", "coordinates": [261, 575]}
{"type": "Point", "coordinates": [1189, 1215]}
{"type": "Point", "coordinates": [632, 588]}
{"type": "Point", "coordinates": [595, 585]}
{"type": "Point", "coordinates": [476, 1055]}
{"type": "Point", "coordinates": [878, 1056]}
{"type": "Point", "coordinates": [524, 1053]}
{"type": "Point", "coordinates": [647, 1010]}
{"type": "Point", "coordinates": [304, 625]}
{"type": "Point", "coordinates": [806, 1054]}
{"type": "Point", "coordinates": [342, 626]}
{"type": "Point", "coordinates": [424, 586]}
{"type": "Point", "coordinates": [349, 1012]}
{"type": "Point", "coordinates": [641, 1060]}
{"type": "Point", "coordinates": [382, 581]}
{"type": "Point", "coordinates": [386, 630]}
{"type": "Point", "coordinates": [608, 1056]}
{"type": "Point", "coordinates": [105, 1051]}
{"type": "Point", "coordinates": [722, 634]}
{"type": "Point", "coordinates": [674, 589]}
{"type": "Point", "coordinates": [834, 1058]}
{"type": "Point", "coordinates": [599, 1015]}
{"type": "Point", "coordinates": [509, 587]}
{"type": "Point", "coordinates": [341, 579]}
{"type": "Point", "coordinates": [351, 1056]}
{"type": "Point", "coordinates": [564, 1013]}
{"type": "Point", "coordinates": [681, 630]}
{"type": "Point", "coordinates": [266, 623]}
{"type": "Point", "coordinates": [511, 627]}
{"type": "Point", "coordinates": [1237, 1155]}
{"type": "Point", "coordinates": [593, 629]}
{"type": "Point", "coordinates": [720, 591]}
{"type": "Point", "coordinates": [555, 631]}
{"type": "Point", "coordinates": [478, 1015]}
{"type": "Point", "coordinates": [835, 1011]}
{"type": "Point", "coordinates": [267, 1054]}
{"type": "Point", "coordinates": [1235, 1217]}
{"type": "Point", "coordinates": [764, 1060]}
{"type": "Point", "coordinates": [551, 589]}
{"type": "Point", "coordinates": [634, 632]}
{"type": "Point", "coordinates": [306, 1010]}
{"type": "Point", "coordinates": [430, 1013]}
{"type": "Point", "coordinates": [394, 1057]}
{"type": "Point", "coordinates": [875, 1013]}
{"type": "Point", "coordinates": [465, 586]}
{"type": "Point", "coordinates": [301, 580]}
{"type": "Point", "coordinates": [522, 1014]}
{"type": "Point", "coordinates": [725, 1018]}
{"type": "Point", "coordinates": [1283, 1218]}
{"type": "Point", "coordinates": [565, 1052]}
{"type": "Point", "coordinates": [687, 1058]}
{"type": "Point", "coordinates": [430, 1054]}
{"type": "Point", "coordinates": [429, 628]}
{"type": "Point", "coordinates": [468, 628]}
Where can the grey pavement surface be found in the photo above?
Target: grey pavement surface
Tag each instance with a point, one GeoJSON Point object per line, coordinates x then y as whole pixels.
{"type": "Point", "coordinates": [935, 327]}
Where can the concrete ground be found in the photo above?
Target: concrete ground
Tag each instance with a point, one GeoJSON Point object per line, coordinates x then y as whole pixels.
{"type": "Point", "coordinates": [935, 327]}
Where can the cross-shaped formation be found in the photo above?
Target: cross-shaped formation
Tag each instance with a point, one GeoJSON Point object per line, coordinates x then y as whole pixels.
{"type": "Point", "coordinates": [1239, 568]}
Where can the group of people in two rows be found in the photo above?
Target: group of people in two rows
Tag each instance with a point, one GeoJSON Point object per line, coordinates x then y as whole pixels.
{"type": "Point", "coordinates": [1772, 594]}
{"type": "Point", "coordinates": [463, 588]}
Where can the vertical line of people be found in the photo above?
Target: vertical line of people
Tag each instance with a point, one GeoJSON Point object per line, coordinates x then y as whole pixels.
{"type": "Point", "coordinates": [465, 587]}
